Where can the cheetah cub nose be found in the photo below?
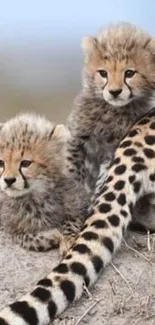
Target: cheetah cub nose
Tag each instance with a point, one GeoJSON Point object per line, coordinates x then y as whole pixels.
{"type": "Point", "coordinates": [115, 92]}
{"type": "Point", "coordinates": [9, 180]}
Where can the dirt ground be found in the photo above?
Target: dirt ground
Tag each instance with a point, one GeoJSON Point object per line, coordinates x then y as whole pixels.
{"type": "Point", "coordinates": [124, 294]}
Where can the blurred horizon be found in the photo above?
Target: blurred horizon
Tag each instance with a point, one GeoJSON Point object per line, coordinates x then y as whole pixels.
{"type": "Point", "coordinates": [40, 53]}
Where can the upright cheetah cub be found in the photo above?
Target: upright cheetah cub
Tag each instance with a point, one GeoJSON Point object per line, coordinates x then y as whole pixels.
{"type": "Point", "coordinates": [118, 88]}
{"type": "Point", "coordinates": [39, 199]}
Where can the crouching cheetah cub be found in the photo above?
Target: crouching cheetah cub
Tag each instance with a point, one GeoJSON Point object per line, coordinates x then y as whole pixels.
{"type": "Point", "coordinates": [131, 175]}
{"type": "Point", "coordinates": [39, 199]}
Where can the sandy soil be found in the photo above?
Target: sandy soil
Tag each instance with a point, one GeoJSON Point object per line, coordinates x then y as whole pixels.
{"type": "Point", "coordinates": [126, 288]}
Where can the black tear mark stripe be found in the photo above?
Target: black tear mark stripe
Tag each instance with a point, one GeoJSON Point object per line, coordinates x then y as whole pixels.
{"type": "Point", "coordinates": [41, 294]}
{"type": "Point", "coordinates": [68, 289]}
{"type": "Point", "coordinates": [23, 310]}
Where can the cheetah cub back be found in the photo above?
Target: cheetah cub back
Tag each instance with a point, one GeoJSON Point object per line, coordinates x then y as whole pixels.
{"type": "Point", "coordinates": [36, 188]}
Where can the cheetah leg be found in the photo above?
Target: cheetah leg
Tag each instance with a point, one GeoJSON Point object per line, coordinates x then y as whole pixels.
{"type": "Point", "coordinates": [41, 242]}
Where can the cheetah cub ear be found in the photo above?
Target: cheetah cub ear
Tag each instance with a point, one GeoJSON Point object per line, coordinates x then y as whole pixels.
{"type": "Point", "coordinates": [89, 44]}
{"type": "Point", "coordinates": [61, 132]}
{"type": "Point", "coordinates": [151, 46]}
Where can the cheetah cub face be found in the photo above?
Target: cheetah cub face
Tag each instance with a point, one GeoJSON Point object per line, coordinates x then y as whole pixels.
{"type": "Point", "coordinates": [119, 64]}
{"type": "Point", "coordinates": [29, 154]}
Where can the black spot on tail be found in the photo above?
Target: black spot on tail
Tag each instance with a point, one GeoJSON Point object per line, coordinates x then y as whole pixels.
{"type": "Point", "coordinates": [68, 257]}
{"type": "Point", "coordinates": [103, 189]}
{"type": "Point", "coordinates": [150, 139]}
{"type": "Point", "coordinates": [132, 178]}
{"type": "Point", "coordinates": [136, 186]}
{"type": "Point", "coordinates": [81, 248]}
{"type": "Point", "coordinates": [138, 159]}
{"type": "Point", "coordinates": [23, 310]}
{"type": "Point", "coordinates": [104, 207]}
{"type": "Point", "coordinates": [152, 177]}
{"type": "Point", "coordinates": [132, 133]}
{"type": "Point", "coordinates": [3, 322]}
{"type": "Point", "coordinates": [98, 263]}
{"type": "Point", "coordinates": [87, 280]}
{"type": "Point", "coordinates": [122, 199]}
{"type": "Point", "coordinates": [124, 213]}
{"type": "Point", "coordinates": [110, 196]}
{"type": "Point", "coordinates": [99, 224]}
{"type": "Point", "coordinates": [125, 144]}
{"type": "Point", "coordinates": [109, 179]}
{"type": "Point", "coordinates": [68, 289]}
{"type": "Point", "coordinates": [78, 268]}
{"type": "Point", "coordinates": [152, 126]}
{"type": "Point", "coordinates": [138, 167]}
{"type": "Point", "coordinates": [52, 309]}
{"type": "Point", "coordinates": [149, 153]}
{"type": "Point", "coordinates": [116, 161]}
{"type": "Point", "coordinates": [61, 268]}
{"type": "Point", "coordinates": [114, 220]}
{"type": "Point", "coordinates": [89, 235]}
{"type": "Point", "coordinates": [45, 282]}
{"type": "Point", "coordinates": [108, 243]}
{"type": "Point", "coordinates": [130, 152]}
{"type": "Point", "coordinates": [119, 170]}
{"type": "Point", "coordinates": [41, 294]}
{"type": "Point", "coordinates": [119, 185]}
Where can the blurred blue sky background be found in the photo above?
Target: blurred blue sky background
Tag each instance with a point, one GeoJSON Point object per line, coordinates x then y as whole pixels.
{"type": "Point", "coordinates": [46, 20]}
{"type": "Point", "coordinates": [40, 54]}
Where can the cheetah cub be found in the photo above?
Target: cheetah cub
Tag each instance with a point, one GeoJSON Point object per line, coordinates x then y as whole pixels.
{"type": "Point", "coordinates": [41, 205]}
{"type": "Point", "coordinates": [118, 86]}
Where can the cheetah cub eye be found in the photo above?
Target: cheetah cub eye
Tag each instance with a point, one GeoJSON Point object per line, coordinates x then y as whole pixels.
{"type": "Point", "coordinates": [103, 73]}
{"type": "Point", "coordinates": [25, 163]}
{"type": "Point", "coordinates": [129, 73]}
{"type": "Point", "coordinates": [1, 163]}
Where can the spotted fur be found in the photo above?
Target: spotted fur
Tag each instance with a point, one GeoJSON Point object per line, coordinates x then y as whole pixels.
{"type": "Point", "coordinates": [118, 88]}
{"type": "Point", "coordinates": [42, 198]}
{"type": "Point", "coordinates": [130, 177]}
